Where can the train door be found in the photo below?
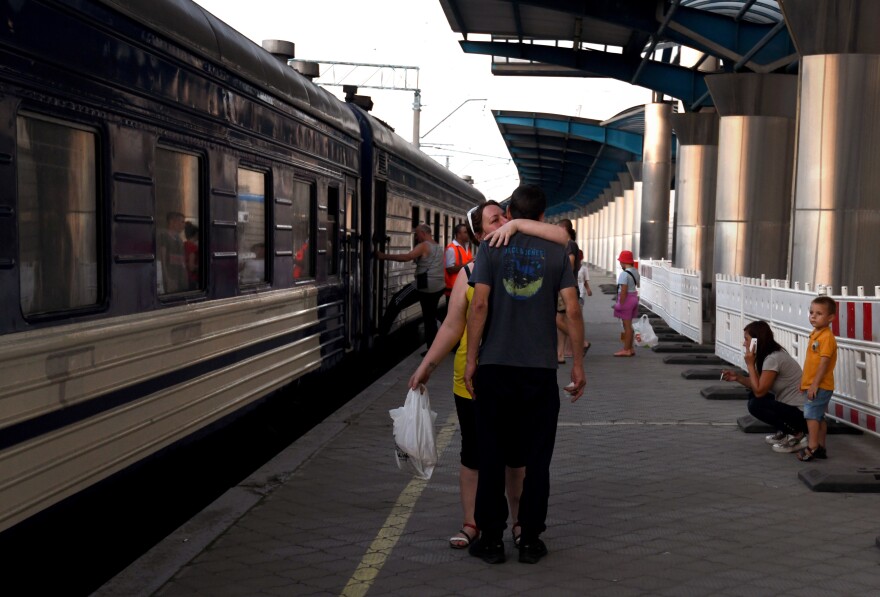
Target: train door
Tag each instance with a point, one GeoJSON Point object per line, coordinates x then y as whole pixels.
{"type": "Point", "coordinates": [380, 243]}
{"type": "Point", "coordinates": [351, 267]}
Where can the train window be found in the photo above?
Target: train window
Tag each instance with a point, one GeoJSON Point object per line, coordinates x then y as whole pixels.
{"type": "Point", "coordinates": [57, 216]}
{"type": "Point", "coordinates": [303, 264]}
{"type": "Point", "coordinates": [351, 222]}
{"type": "Point", "coordinates": [333, 231]}
{"type": "Point", "coordinates": [251, 231]}
{"type": "Point", "coordinates": [178, 240]}
{"type": "Point", "coordinates": [436, 227]}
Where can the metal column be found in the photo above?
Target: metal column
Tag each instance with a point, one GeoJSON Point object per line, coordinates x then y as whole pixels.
{"type": "Point", "coordinates": [609, 227]}
{"type": "Point", "coordinates": [697, 167]}
{"type": "Point", "coordinates": [755, 165]}
{"type": "Point", "coordinates": [656, 181]}
{"type": "Point", "coordinates": [626, 182]}
{"type": "Point", "coordinates": [635, 170]}
{"type": "Point", "coordinates": [836, 215]}
{"type": "Point", "coordinates": [617, 192]}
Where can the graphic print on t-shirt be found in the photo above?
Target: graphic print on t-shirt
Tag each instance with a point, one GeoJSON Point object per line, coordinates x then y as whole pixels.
{"type": "Point", "coordinates": [523, 269]}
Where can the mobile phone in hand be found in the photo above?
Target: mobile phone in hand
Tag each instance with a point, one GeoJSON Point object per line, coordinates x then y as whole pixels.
{"type": "Point", "coordinates": [753, 346]}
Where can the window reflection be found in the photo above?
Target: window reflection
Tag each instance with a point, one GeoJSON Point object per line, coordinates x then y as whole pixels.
{"type": "Point", "coordinates": [332, 231]}
{"type": "Point", "coordinates": [57, 216]}
{"type": "Point", "coordinates": [302, 227]}
{"type": "Point", "coordinates": [191, 254]}
{"type": "Point", "coordinates": [251, 227]}
{"type": "Point", "coordinates": [178, 257]}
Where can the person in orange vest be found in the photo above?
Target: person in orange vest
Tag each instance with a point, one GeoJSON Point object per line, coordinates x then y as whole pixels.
{"type": "Point", "coordinates": [458, 255]}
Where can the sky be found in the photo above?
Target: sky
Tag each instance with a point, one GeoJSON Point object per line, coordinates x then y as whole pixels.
{"type": "Point", "coordinates": [416, 33]}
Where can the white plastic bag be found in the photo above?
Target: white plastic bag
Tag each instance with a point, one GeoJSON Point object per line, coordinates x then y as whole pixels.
{"type": "Point", "coordinates": [644, 333]}
{"type": "Point", "coordinates": [415, 449]}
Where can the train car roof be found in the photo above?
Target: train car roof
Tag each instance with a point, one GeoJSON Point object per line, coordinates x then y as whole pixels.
{"type": "Point", "coordinates": [386, 138]}
{"type": "Point", "coordinates": [198, 30]}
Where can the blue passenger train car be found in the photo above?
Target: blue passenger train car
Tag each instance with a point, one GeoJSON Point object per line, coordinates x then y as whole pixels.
{"type": "Point", "coordinates": [186, 225]}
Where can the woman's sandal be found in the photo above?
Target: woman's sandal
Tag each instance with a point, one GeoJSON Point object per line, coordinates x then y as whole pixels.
{"type": "Point", "coordinates": [462, 539]}
{"type": "Point", "coordinates": [807, 455]}
{"type": "Point", "coordinates": [587, 347]}
{"type": "Point", "coordinates": [516, 535]}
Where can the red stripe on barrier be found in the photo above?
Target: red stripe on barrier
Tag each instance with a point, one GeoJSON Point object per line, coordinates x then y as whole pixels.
{"type": "Point", "coordinates": [854, 416]}
{"type": "Point", "coordinates": [867, 323]}
{"type": "Point", "coordinates": [850, 320]}
{"type": "Point", "coordinates": [838, 411]}
{"type": "Point", "coordinates": [835, 323]}
{"type": "Point", "coordinates": [871, 422]}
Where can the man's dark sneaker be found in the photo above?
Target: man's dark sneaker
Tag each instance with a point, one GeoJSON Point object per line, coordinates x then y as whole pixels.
{"type": "Point", "coordinates": [531, 552]}
{"type": "Point", "coordinates": [491, 552]}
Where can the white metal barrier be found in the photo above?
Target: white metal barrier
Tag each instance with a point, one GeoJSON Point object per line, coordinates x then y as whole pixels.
{"type": "Point", "coordinates": [674, 294]}
{"type": "Point", "coordinates": [740, 301]}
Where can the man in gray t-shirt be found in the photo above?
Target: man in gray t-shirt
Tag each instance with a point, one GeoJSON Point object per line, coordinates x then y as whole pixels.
{"type": "Point", "coordinates": [520, 329]}
{"type": "Point", "coordinates": [512, 326]}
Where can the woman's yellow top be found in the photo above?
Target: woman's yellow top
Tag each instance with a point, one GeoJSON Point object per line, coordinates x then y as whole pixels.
{"type": "Point", "coordinates": [458, 387]}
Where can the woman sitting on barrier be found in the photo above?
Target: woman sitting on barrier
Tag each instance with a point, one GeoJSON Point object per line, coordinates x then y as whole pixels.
{"type": "Point", "coordinates": [774, 387]}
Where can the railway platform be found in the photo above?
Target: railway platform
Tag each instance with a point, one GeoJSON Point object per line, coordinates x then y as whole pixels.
{"type": "Point", "coordinates": [655, 490]}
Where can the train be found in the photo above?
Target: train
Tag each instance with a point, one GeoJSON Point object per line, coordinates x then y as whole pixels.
{"type": "Point", "coordinates": [187, 224]}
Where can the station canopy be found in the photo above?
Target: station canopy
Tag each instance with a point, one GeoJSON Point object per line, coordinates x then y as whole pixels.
{"type": "Point", "coordinates": [572, 159]}
{"type": "Point", "coordinates": [668, 46]}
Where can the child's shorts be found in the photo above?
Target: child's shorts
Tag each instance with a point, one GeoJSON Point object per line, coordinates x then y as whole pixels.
{"type": "Point", "coordinates": [815, 409]}
{"type": "Point", "coordinates": [629, 309]}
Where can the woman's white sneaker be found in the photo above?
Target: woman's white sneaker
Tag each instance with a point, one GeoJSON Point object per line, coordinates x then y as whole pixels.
{"type": "Point", "coordinates": [775, 438]}
{"type": "Point", "coordinates": [792, 443]}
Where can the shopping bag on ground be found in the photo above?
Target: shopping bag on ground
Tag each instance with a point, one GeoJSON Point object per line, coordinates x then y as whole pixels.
{"type": "Point", "coordinates": [644, 333]}
{"type": "Point", "coordinates": [415, 448]}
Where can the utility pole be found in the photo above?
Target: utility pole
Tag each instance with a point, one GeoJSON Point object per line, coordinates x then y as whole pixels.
{"type": "Point", "coordinates": [417, 115]}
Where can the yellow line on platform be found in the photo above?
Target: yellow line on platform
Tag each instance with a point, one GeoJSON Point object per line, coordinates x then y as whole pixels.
{"type": "Point", "coordinates": [377, 554]}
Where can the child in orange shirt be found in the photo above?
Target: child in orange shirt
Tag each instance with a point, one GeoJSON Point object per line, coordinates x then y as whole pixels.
{"type": "Point", "coordinates": [818, 379]}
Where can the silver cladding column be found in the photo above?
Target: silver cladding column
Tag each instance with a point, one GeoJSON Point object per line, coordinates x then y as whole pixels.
{"type": "Point", "coordinates": [595, 231]}
{"type": "Point", "coordinates": [656, 181]}
{"type": "Point", "coordinates": [617, 226]}
{"type": "Point", "coordinates": [600, 232]}
{"type": "Point", "coordinates": [836, 215]}
{"type": "Point", "coordinates": [755, 166]}
{"type": "Point", "coordinates": [607, 217]}
{"type": "Point", "coordinates": [635, 170]}
{"type": "Point", "coordinates": [580, 227]}
{"type": "Point", "coordinates": [610, 215]}
{"type": "Point", "coordinates": [626, 182]}
{"type": "Point", "coordinates": [589, 254]}
{"type": "Point", "coordinates": [697, 167]}
{"type": "Point", "coordinates": [584, 231]}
